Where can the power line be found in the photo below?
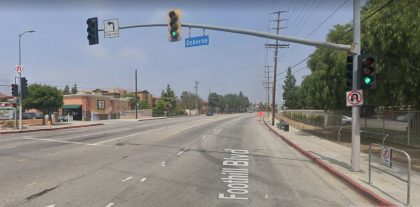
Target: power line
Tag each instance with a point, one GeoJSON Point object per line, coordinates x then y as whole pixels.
{"type": "Point", "coordinates": [325, 20]}
{"type": "Point", "coordinates": [300, 62]}
{"type": "Point", "coordinates": [319, 26]}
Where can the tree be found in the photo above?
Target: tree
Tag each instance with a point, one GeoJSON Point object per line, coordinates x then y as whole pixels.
{"type": "Point", "coordinates": [74, 89]}
{"type": "Point", "coordinates": [132, 99]}
{"type": "Point", "coordinates": [393, 36]}
{"type": "Point", "coordinates": [188, 100]}
{"type": "Point", "coordinates": [290, 90]}
{"type": "Point", "coordinates": [160, 107]}
{"type": "Point", "coordinates": [44, 98]}
{"type": "Point", "coordinates": [144, 104]}
{"type": "Point", "coordinates": [66, 90]}
{"type": "Point", "coordinates": [325, 86]}
{"type": "Point", "coordinates": [170, 99]}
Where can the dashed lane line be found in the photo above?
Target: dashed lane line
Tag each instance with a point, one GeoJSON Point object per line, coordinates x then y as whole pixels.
{"type": "Point", "coordinates": [143, 179]}
{"type": "Point", "coordinates": [126, 179]}
{"type": "Point", "coordinates": [109, 205]}
{"type": "Point", "coordinates": [60, 141]}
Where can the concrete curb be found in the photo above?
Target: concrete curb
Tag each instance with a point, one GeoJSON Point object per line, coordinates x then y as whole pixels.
{"type": "Point", "coordinates": [51, 129]}
{"type": "Point", "coordinates": [375, 198]}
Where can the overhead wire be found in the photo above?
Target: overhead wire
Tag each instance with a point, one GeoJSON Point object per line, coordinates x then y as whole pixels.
{"type": "Point", "coordinates": [319, 26]}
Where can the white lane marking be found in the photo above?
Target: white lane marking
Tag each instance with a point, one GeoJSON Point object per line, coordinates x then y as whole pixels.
{"type": "Point", "coordinates": [31, 184]}
{"type": "Point", "coordinates": [11, 147]}
{"type": "Point", "coordinates": [21, 160]}
{"type": "Point", "coordinates": [179, 153]}
{"type": "Point", "coordinates": [203, 137]}
{"type": "Point", "coordinates": [143, 179]}
{"type": "Point", "coordinates": [86, 135]}
{"type": "Point", "coordinates": [53, 205]}
{"type": "Point", "coordinates": [162, 164]}
{"type": "Point", "coordinates": [109, 205]}
{"type": "Point", "coordinates": [61, 141]}
{"type": "Point", "coordinates": [109, 140]}
{"type": "Point", "coordinates": [266, 196]}
{"type": "Point", "coordinates": [126, 179]}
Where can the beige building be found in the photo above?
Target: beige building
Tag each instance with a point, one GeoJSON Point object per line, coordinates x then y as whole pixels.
{"type": "Point", "coordinates": [94, 106]}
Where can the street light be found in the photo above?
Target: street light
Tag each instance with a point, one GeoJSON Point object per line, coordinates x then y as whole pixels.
{"type": "Point", "coordinates": [20, 80]}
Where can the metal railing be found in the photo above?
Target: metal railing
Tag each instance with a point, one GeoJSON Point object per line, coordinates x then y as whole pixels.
{"type": "Point", "coordinates": [408, 180]}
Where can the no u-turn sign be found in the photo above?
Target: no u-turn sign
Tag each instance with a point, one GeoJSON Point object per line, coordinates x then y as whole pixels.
{"type": "Point", "coordinates": [354, 98]}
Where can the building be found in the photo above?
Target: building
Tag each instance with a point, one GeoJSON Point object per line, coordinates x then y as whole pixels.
{"type": "Point", "coordinates": [114, 92]}
{"type": "Point", "coordinates": [145, 95]}
{"type": "Point", "coordinates": [84, 106]}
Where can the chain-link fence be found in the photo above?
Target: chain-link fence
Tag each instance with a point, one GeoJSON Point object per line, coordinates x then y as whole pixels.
{"type": "Point", "coordinates": [397, 124]}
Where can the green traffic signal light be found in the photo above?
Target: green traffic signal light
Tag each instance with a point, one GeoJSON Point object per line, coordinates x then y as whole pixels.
{"type": "Point", "coordinates": [174, 25]}
{"type": "Point", "coordinates": [367, 72]}
{"type": "Point", "coordinates": [368, 80]}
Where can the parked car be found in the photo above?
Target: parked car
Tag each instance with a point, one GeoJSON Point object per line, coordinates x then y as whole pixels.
{"type": "Point", "coordinates": [209, 113]}
{"type": "Point", "coordinates": [31, 115]}
{"type": "Point", "coordinates": [345, 120]}
{"type": "Point", "coordinates": [405, 117]}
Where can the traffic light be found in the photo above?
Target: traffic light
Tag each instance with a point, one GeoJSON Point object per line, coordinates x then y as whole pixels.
{"type": "Point", "coordinates": [92, 30]}
{"type": "Point", "coordinates": [367, 72]}
{"type": "Point", "coordinates": [15, 90]}
{"type": "Point", "coordinates": [174, 25]}
{"type": "Point", "coordinates": [24, 88]}
{"type": "Point", "coordinates": [349, 67]}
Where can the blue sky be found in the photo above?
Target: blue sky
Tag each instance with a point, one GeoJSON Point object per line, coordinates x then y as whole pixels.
{"type": "Point", "coordinates": [58, 52]}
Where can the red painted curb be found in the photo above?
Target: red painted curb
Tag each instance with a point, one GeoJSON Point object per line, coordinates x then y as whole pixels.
{"type": "Point", "coordinates": [51, 129]}
{"type": "Point", "coordinates": [375, 198]}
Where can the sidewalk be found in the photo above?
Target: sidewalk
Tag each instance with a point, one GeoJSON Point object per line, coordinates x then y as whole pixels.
{"type": "Point", "coordinates": [335, 158]}
{"type": "Point", "coordinates": [33, 128]}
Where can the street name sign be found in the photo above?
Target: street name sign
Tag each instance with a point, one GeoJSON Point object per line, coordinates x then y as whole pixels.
{"type": "Point", "coordinates": [111, 28]}
{"type": "Point", "coordinates": [354, 98]}
{"type": "Point", "coordinates": [19, 68]}
{"type": "Point", "coordinates": [197, 41]}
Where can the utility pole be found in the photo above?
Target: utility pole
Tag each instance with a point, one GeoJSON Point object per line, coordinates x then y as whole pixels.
{"type": "Point", "coordinates": [355, 132]}
{"type": "Point", "coordinates": [208, 102]}
{"type": "Point", "coordinates": [276, 52]}
{"type": "Point", "coordinates": [267, 85]}
{"type": "Point", "coordinates": [135, 83]}
{"type": "Point", "coordinates": [196, 95]}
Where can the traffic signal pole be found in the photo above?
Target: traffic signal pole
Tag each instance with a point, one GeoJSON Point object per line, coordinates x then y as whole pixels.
{"type": "Point", "coordinates": [355, 132]}
{"type": "Point", "coordinates": [20, 89]}
{"type": "Point", "coordinates": [266, 35]}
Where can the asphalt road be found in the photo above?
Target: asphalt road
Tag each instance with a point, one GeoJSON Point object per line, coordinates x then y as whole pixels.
{"type": "Point", "coordinates": [224, 160]}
